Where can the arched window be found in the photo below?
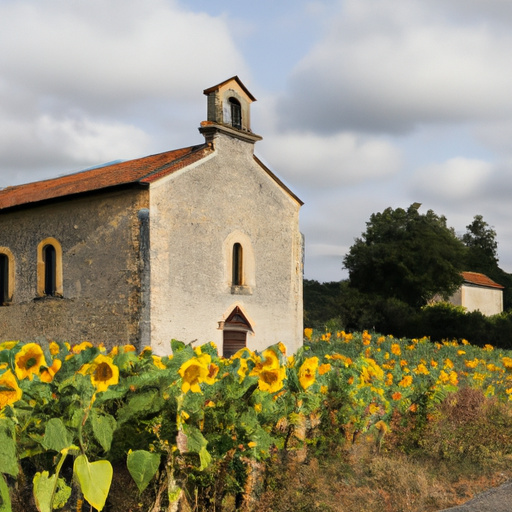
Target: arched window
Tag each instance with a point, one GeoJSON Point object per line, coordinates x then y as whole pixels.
{"type": "Point", "coordinates": [238, 269]}
{"type": "Point", "coordinates": [236, 113]}
{"type": "Point", "coordinates": [49, 268]}
{"type": "Point", "coordinates": [4, 279]}
{"type": "Point", "coordinates": [6, 276]}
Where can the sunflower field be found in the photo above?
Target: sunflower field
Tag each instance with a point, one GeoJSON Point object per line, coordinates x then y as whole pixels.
{"type": "Point", "coordinates": [193, 431]}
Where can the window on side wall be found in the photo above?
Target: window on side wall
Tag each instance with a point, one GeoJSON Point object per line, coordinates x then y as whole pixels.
{"type": "Point", "coordinates": [49, 268]}
{"type": "Point", "coordinates": [4, 279]}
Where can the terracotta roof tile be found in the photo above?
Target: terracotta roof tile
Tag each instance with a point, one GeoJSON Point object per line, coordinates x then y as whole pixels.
{"type": "Point", "coordinates": [140, 170]}
{"type": "Point", "coordinates": [480, 280]}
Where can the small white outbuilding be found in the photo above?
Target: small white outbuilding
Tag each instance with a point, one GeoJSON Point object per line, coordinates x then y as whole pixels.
{"type": "Point", "coordinates": [479, 293]}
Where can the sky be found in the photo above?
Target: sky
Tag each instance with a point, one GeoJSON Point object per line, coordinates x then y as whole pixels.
{"type": "Point", "coordinates": [362, 104]}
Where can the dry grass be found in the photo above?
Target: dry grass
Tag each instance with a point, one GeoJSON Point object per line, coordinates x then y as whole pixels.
{"type": "Point", "coordinates": [422, 466]}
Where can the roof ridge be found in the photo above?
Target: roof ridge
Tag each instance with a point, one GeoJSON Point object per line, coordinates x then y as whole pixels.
{"type": "Point", "coordinates": [193, 149]}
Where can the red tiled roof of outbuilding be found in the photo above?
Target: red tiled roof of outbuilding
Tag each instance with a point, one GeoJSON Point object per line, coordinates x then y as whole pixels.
{"type": "Point", "coordinates": [143, 170]}
{"type": "Point", "coordinates": [480, 280]}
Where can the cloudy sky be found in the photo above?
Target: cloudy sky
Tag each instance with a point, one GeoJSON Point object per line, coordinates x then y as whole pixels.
{"type": "Point", "coordinates": [362, 104]}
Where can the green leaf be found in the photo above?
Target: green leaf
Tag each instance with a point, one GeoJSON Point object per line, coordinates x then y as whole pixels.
{"type": "Point", "coordinates": [145, 402]}
{"type": "Point", "coordinates": [43, 490]}
{"type": "Point", "coordinates": [197, 443]}
{"type": "Point", "coordinates": [176, 346]}
{"type": "Point", "coordinates": [8, 459]}
{"type": "Point", "coordinates": [143, 466]}
{"type": "Point", "coordinates": [103, 427]}
{"type": "Point", "coordinates": [56, 436]}
{"type": "Point", "coordinates": [204, 458]}
{"type": "Point", "coordinates": [5, 500]}
{"type": "Point", "coordinates": [95, 479]}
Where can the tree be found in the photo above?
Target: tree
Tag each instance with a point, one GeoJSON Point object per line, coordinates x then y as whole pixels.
{"type": "Point", "coordinates": [482, 256]}
{"type": "Point", "coordinates": [480, 239]}
{"type": "Point", "coordinates": [407, 256]}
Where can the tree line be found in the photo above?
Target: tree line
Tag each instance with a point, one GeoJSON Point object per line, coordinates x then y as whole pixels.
{"type": "Point", "coordinates": [397, 267]}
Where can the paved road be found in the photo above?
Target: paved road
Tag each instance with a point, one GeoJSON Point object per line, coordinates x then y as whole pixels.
{"type": "Point", "coordinates": [498, 499]}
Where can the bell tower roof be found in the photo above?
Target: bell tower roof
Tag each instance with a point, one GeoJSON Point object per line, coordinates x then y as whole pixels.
{"type": "Point", "coordinates": [229, 111]}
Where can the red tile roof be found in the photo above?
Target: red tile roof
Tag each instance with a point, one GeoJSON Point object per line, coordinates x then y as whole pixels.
{"type": "Point", "coordinates": [141, 170]}
{"type": "Point", "coordinates": [480, 280]}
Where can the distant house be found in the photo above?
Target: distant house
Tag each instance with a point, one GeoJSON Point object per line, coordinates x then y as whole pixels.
{"type": "Point", "coordinates": [479, 293]}
{"type": "Point", "coordinates": [199, 244]}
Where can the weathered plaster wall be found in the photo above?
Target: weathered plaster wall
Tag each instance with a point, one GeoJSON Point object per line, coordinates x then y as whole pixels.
{"type": "Point", "coordinates": [99, 236]}
{"type": "Point", "coordinates": [192, 213]}
{"type": "Point", "coordinates": [488, 301]}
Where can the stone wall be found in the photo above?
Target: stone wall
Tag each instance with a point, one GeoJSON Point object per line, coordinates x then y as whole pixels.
{"type": "Point", "coordinates": [195, 216]}
{"type": "Point", "coordinates": [99, 236]}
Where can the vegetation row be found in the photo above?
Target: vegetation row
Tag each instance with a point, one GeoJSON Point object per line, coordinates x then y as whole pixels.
{"type": "Point", "coordinates": [194, 431]}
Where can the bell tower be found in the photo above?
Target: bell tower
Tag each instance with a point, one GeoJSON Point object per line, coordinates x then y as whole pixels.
{"type": "Point", "coordinates": [229, 111]}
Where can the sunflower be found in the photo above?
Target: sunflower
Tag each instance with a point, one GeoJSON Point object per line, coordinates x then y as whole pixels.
{"type": "Point", "coordinates": [307, 372]}
{"type": "Point", "coordinates": [103, 372]}
{"type": "Point", "coordinates": [269, 371]}
{"type": "Point", "coordinates": [28, 361]}
{"type": "Point", "coordinates": [157, 361]}
{"type": "Point", "coordinates": [9, 389]}
{"type": "Point", "coordinates": [194, 371]}
{"type": "Point", "coordinates": [7, 345]}
{"type": "Point", "coordinates": [81, 346]}
{"type": "Point", "coordinates": [47, 374]}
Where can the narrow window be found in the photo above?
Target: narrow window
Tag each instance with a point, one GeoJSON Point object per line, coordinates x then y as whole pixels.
{"type": "Point", "coordinates": [237, 265]}
{"type": "Point", "coordinates": [50, 269]}
{"type": "Point", "coordinates": [236, 113]}
{"type": "Point", "coordinates": [4, 279]}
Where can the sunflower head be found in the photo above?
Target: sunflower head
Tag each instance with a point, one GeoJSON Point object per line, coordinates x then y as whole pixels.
{"type": "Point", "coordinates": [307, 372]}
{"type": "Point", "coordinates": [9, 389]}
{"type": "Point", "coordinates": [103, 372]}
{"type": "Point", "coordinates": [271, 380]}
{"type": "Point", "coordinates": [28, 361]}
{"type": "Point", "coordinates": [193, 372]}
{"type": "Point", "coordinates": [47, 374]}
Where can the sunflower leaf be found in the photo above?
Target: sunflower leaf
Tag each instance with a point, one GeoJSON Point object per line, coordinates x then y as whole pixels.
{"type": "Point", "coordinates": [8, 459]}
{"type": "Point", "coordinates": [103, 427]}
{"type": "Point", "coordinates": [5, 500]}
{"type": "Point", "coordinates": [143, 466]}
{"type": "Point", "coordinates": [43, 490]}
{"type": "Point", "coordinates": [95, 479]}
{"type": "Point", "coordinates": [56, 435]}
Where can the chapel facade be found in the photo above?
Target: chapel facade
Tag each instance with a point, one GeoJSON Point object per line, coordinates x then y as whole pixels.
{"type": "Point", "coordinates": [197, 244]}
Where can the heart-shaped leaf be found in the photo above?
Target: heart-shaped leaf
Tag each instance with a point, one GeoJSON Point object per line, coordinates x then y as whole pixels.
{"type": "Point", "coordinates": [95, 479]}
{"type": "Point", "coordinates": [143, 466]}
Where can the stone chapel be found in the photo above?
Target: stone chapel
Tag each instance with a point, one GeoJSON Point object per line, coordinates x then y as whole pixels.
{"type": "Point", "coordinates": [197, 244]}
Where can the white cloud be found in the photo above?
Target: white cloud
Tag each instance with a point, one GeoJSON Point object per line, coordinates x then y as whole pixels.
{"type": "Point", "coordinates": [106, 55]}
{"type": "Point", "coordinates": [308, 160]}
{"type": "Point", "coordinates": [456, 179]}
{"type": "Point", "coordinates": [45, 146]}
{"type": "Point", "coordinates": [387, 66]}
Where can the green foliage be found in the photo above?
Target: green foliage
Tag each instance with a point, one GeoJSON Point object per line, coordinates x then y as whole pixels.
{"type": "Point", "coordinates": [8, 459]}
{"type": "Point", "coordinates": [5, 500]}
{"type": "Point", "coordinates": [321, 302]}
{"type": "Point", "coordinates": [103, 427]}
{"type": "Point", "coordinates": [95, 479]}
{"type": "Point", "coordinates": [56, 436]}
{"type": "Point", "coordinates": [407, 256]}
{"type": "Point", "coordinates": [142, 466]}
